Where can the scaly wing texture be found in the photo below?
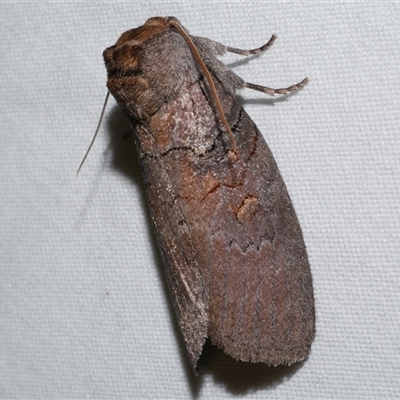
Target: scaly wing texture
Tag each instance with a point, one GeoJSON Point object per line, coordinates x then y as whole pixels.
{"type": "Point", "coordinates": [179, 255]}
{"type": "Point", "coordinates": [234, 222]}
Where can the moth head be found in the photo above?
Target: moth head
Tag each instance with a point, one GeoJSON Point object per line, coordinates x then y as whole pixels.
{"type": "Point", "coordinates": [141, 63]}
{"type": "Point", "coordinates": [121, 59]}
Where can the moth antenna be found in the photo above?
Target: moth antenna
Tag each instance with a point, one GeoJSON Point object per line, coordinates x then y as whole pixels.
{"type": "Point", "coordinates": [96, 132]}
{"type": "Point", "coordinates": [208, 76]}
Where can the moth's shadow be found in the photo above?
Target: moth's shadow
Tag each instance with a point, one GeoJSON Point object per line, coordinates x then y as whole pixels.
{"type": "Point", "coordinates": [238, 377]}
{"type": "Point", "coordinates": [123, 150]}
{"type": "Point", "coordinates": [241, 377]}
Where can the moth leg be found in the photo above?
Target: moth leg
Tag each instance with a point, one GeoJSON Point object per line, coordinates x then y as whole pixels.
{"type": "Point", "coordinates": [265, 89]}
{"type": "Point", "coordinates": [259, 50]}
{"type": "Point", "coordinates": [223, 73]}
{"type": "Point", "coordinates": [207, 46]}
{"type": "Point", "coordinates": [273, 92]}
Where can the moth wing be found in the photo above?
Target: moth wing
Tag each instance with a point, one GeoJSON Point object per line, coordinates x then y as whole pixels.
{"type": "Point", "coordinates": [261, 304]}
{"type": "Point", "coordinates": [233, 249]}
{"type": "Point", "coordinates": [179, 257]}
{"type": "Point", "coordinates": [249, 246]}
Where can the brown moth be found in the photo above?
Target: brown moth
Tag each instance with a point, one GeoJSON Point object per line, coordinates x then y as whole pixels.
{"type": "Point", "coordinates": [230, 241]}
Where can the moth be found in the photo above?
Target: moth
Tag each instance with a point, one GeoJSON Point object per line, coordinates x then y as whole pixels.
{"type": "Point", "coordinates": [231, 244]}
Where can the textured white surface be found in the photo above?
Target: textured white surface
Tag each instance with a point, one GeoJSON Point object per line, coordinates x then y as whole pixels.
{"type": "Point", "coordinates": [84, 309]}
